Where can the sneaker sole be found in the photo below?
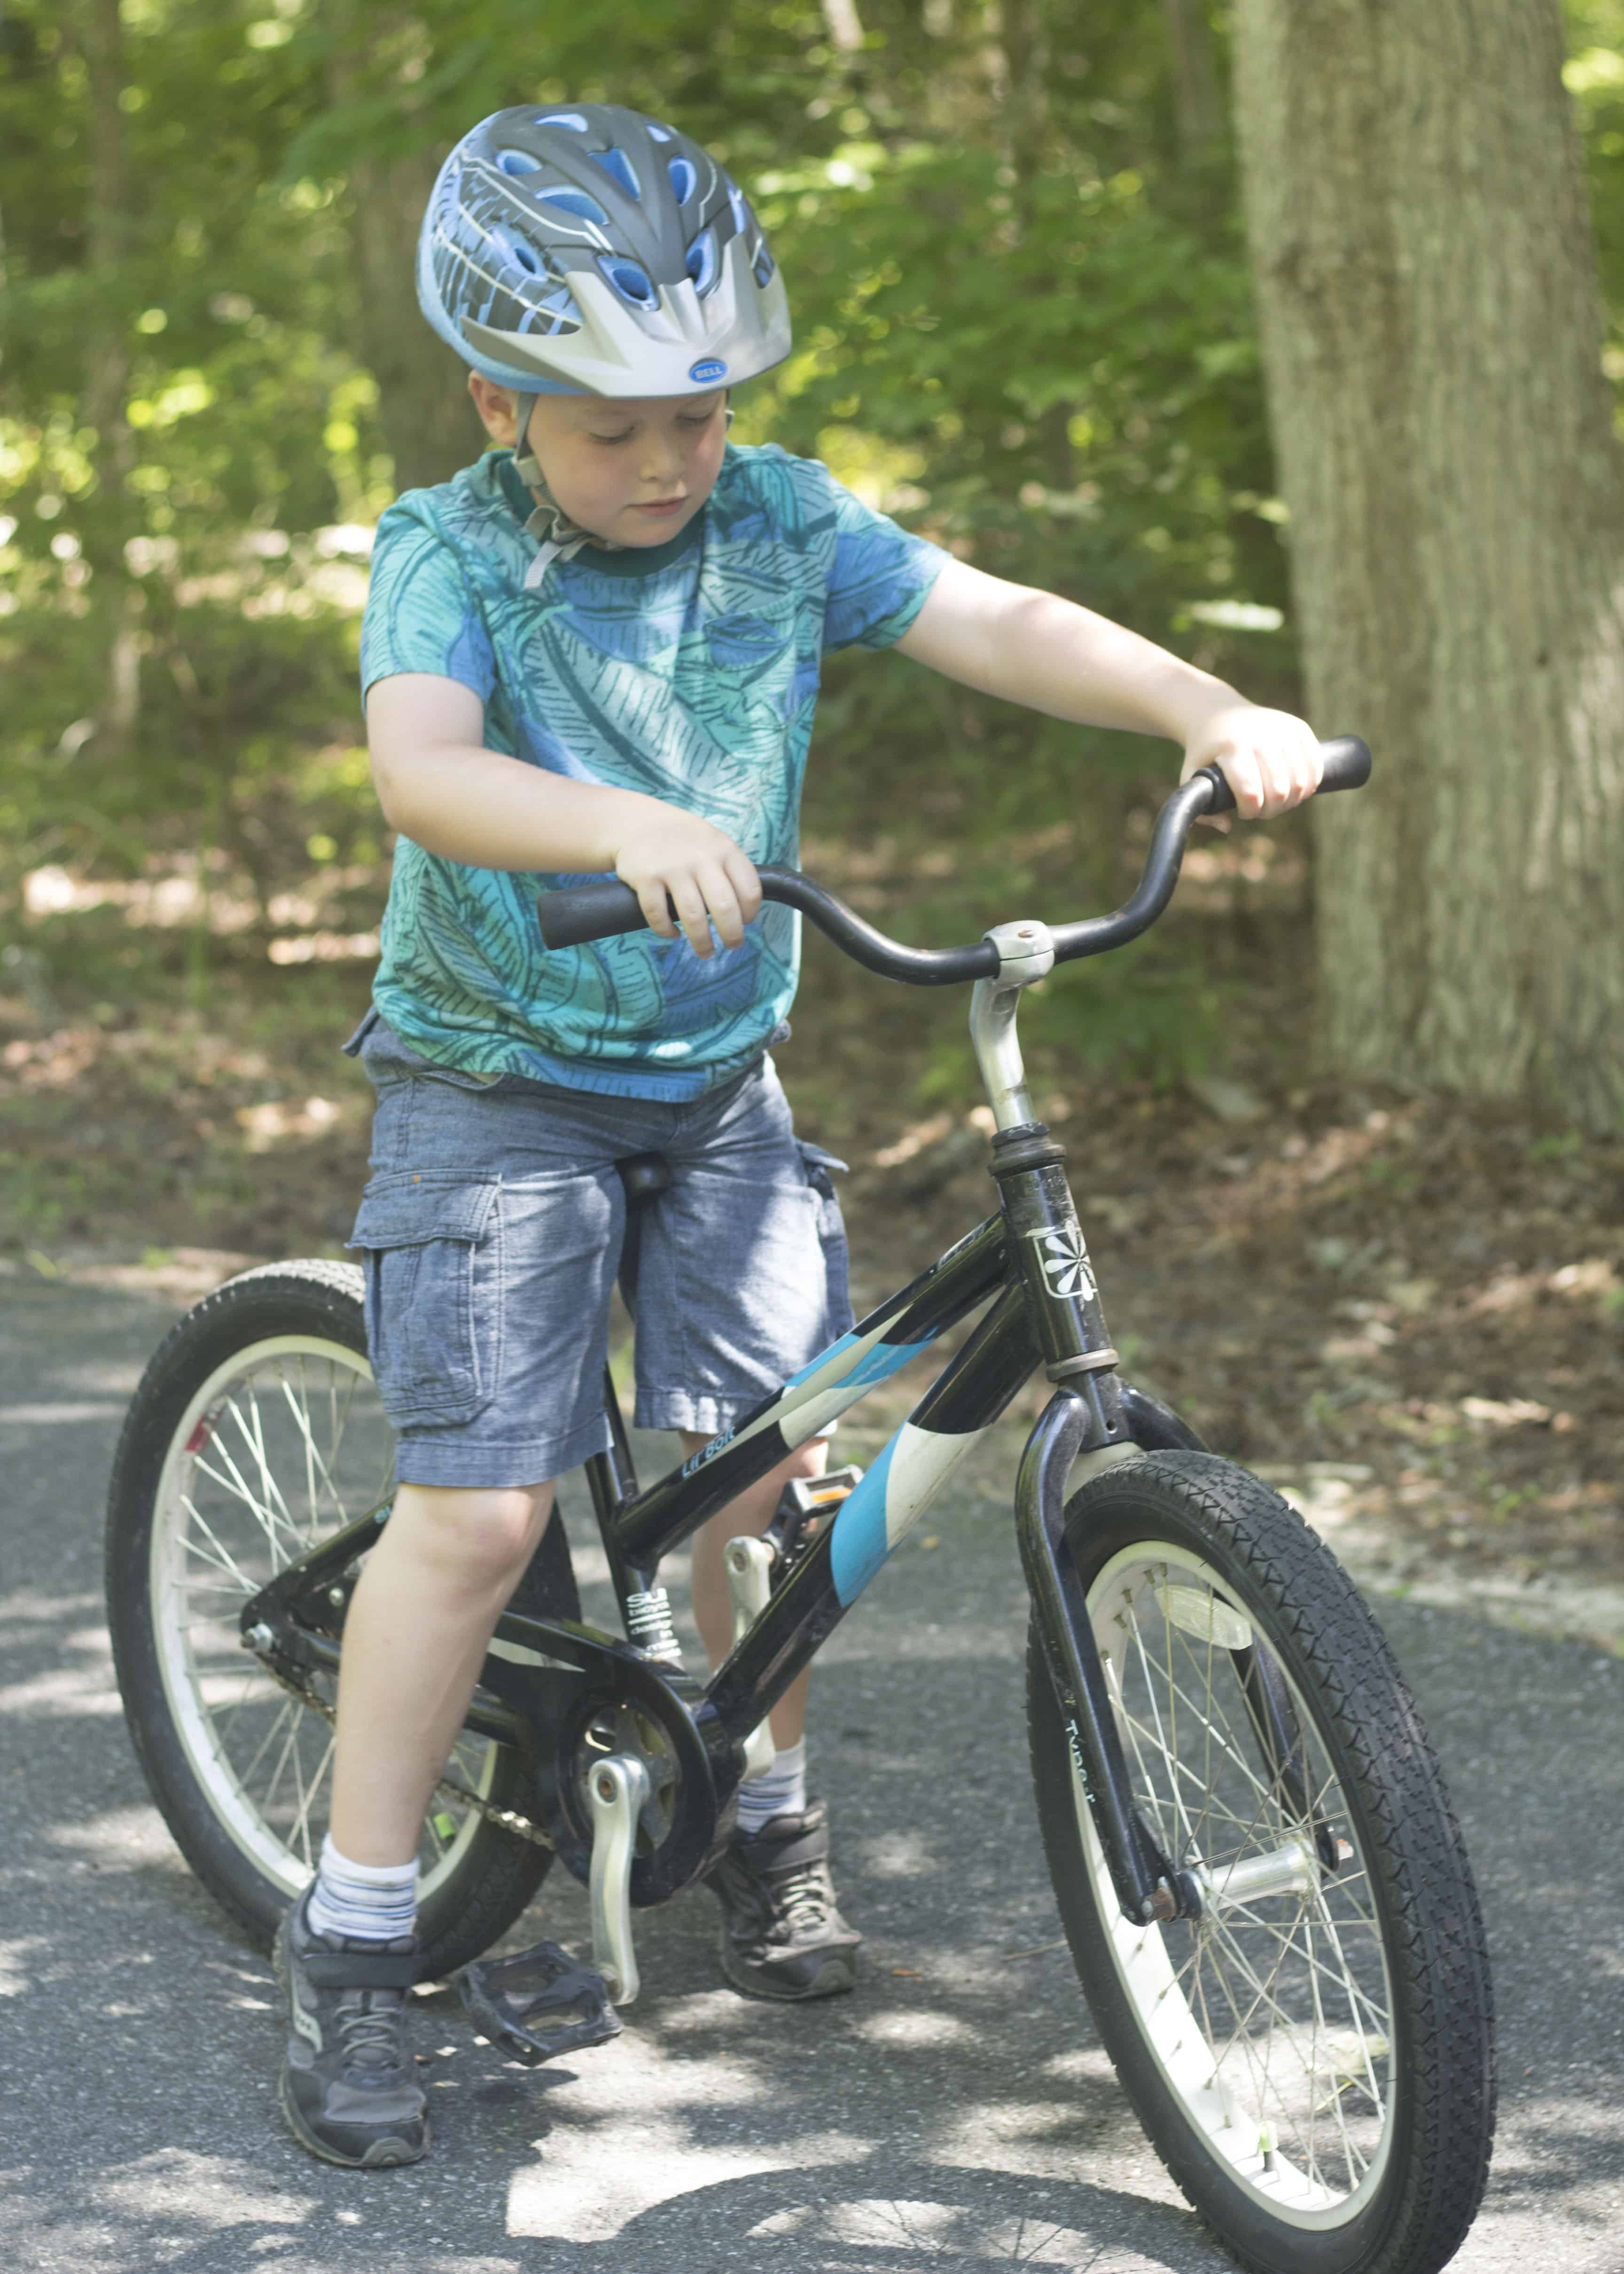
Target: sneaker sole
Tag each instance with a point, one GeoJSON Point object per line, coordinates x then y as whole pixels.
{"type": "Point", "coordinates": [834, 1978]}
{"type": "Point", "coordinates": [382, 2155]}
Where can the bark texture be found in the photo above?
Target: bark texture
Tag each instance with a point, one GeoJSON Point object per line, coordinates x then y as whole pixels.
{"type": "Point", "coordinates": [1198, 93]}
{"type": "Point", "coordinates": [430, 425]}
{"type": "Point", "coordinates": [1425, 274]}
{"type": "Point", "coordinates": [428, 422]}
{"type": "Point", "coordinates": [97, 27]}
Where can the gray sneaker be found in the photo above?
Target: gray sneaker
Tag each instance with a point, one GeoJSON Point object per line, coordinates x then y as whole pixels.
{"type": "Point", "coordinates": [782, 1933]}
{"type": "Point", "coordinates": [349, 2089]}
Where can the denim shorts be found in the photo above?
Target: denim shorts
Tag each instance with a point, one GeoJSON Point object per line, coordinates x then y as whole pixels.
{"type": "Point", "coordinates": [493, 1228]}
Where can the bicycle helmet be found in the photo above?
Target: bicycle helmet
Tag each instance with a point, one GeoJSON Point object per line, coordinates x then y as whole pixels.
{"type": "Point", "coordinates": [587, 250]}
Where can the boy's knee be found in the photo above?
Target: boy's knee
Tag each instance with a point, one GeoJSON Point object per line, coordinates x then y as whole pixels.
{"type": "Point", "coordinates": [807, 1460]}
{"type": "Point", "coordinates": [489, 1532]}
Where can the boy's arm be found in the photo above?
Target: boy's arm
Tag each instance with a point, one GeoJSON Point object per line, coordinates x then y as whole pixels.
{"type": "Point", "coordinates": [438, 783]}
{"type": "Point", "coordinates": [1037, 649]}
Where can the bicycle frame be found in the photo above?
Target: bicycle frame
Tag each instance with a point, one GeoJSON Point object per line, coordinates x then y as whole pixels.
{"type": "Point", "coordinates": [1028, 1264]}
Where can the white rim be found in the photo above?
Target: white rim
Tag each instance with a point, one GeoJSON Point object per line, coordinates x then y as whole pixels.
{"type": "Point", "coordinates": [283, 1444]}
{"type": "Point", "coordinates": [1271, 2017]}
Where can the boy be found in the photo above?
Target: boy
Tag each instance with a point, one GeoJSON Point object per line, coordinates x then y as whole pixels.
{"type": "Point", "coordinates": [598, 651]}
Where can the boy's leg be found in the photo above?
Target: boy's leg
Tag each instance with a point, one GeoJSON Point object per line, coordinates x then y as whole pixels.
{"type": "Point", "coordinates": [783, 1936]}
{"type": "Point", "coordinates": [432, 1592]}
{"type": "Point", "coordinates": [421, 1616]}
{"type": "Point", "coordinates": [751, 1513]}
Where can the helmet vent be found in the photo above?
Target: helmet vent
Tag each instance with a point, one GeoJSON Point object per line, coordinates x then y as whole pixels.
{"type": "Point", "coordinates": [735, 199]}
{"type": "Point", "coordinates": [576, 202]}
{"type": "Point", "coordinates": [703, 261]}
{"type": "Point", "coordinates": [762, 266]}
{"type": "Point", "coordinates": [617, 163]}
{"type": "Point", "coordinates": [682, 178]}
{"type": "Point", "coordinates": [570, 118]}
{"type": "Point", "coordinates": [518, 161]}
{"type": "Point", "coordinates": [658, 133]}
{"type": "Point", "coordinates": [520, 253]}
{"type": "Point", "coordinates": [630, 281]}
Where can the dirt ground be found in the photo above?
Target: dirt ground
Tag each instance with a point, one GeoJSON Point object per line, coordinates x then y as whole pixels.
{"type": "Point", "coordinates": [1407, 1310]}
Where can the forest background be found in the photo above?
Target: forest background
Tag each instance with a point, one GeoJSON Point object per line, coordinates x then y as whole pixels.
{"type": "Point", "coordinates": [1025, 325]}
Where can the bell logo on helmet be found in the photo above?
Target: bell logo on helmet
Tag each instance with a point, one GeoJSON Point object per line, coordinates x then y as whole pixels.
{"type": "Point", "coordinates": [708, 370]}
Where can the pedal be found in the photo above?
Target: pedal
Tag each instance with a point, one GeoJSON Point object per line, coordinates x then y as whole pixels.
{"type": "Point", "coordinates": [805, 1507]}
{"type": "Point", "coordinates": [748, 1564]}
{"type": "Point", "coordinates": [617, 1790]}
{"type": "Point", "coordinates": [539, 2003]}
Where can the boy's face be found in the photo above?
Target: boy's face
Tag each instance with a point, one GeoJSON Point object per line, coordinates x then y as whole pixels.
{"type": "Point", "coordinates": [634, 470]}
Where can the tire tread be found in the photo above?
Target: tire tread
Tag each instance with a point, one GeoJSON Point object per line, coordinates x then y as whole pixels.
{"type": "Point", "coordinates": [1438, 1941]}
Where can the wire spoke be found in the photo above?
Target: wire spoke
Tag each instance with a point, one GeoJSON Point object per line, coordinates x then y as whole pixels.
{"type": "Point", "coordinates": [222, 1559]}
{"type": "Point", "coordinates": [1286, 1984]}
{"type": "Point", "coordinates": [313, 1452]}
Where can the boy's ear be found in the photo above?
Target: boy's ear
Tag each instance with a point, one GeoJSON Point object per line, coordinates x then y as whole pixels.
{"type": "Point", "coordinates": [495, 407]}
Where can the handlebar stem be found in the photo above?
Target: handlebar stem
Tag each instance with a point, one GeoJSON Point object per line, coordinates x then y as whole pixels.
{"type": "Point", "coordinates": [1025, 953]}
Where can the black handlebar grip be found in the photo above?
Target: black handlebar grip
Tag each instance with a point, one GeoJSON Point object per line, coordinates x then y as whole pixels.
{"type": "Point", "coordinates": [1346, 762]}
{"type": "Point", "coordinates": [577, 912]}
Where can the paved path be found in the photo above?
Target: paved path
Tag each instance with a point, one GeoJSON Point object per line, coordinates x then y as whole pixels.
{"type": "Point", "coordinates": [955, 2112]}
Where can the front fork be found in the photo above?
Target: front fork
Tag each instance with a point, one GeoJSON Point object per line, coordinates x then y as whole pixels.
{"type": "Point", "coordinates": [1147, 1886]}
{"type": "Point", "coordinates": [1090, 1411]}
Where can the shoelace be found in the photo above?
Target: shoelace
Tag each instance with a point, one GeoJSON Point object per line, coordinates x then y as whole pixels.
{"type": "Point", "coordinates": [803, 1898]}
{"type": "Point", "coordinates": [370, 2031]}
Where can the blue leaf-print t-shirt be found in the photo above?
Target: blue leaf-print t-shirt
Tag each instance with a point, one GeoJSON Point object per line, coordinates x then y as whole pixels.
{"type": "Point", "coordinates": [688, 671]}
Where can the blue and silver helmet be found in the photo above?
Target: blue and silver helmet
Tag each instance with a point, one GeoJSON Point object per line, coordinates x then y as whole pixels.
{"type": "Point", "coordinates": [588, 250]}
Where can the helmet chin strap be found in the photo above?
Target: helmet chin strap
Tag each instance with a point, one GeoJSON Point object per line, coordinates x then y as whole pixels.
{"type": "Point", "coordinates": [558, 538]}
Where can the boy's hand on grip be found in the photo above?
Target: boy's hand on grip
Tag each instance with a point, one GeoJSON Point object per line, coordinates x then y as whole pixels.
{"type": "Point", "coordinates": [675, 860]}
{"type": "Point", "coordinates": [1270, 758]}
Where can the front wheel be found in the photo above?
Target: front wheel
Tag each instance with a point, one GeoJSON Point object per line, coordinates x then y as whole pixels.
{"type": "Point", "coordinates": [1312, 2056]}
{"type": "Point", "coordinates": [256, 1434]}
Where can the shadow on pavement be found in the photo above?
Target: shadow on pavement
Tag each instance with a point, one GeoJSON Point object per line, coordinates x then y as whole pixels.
{"type": "Point", "coordinates": [957, 2110]}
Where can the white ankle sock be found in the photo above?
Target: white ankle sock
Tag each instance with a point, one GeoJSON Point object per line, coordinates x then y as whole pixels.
{"type": "Point", "coordinates": [778, 1791]}
{"type": "Point", "coordinates": [362, 1903]}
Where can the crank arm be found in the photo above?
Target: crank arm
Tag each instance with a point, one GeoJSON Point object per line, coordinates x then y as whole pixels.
{"type": "Point", "coordinates": [1147, 1887]}
{"type": "Point", "coordinates": [618, 1790]}
{"type": "Point", "coordinates": [748, 1564]}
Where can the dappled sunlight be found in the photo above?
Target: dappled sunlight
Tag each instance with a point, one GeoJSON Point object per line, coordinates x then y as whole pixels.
{"type": "Point", "coordinates": [17, 1963]}
{"type": "Point", "coordinates": [122, 1839]}
{"type": "Point", "coordinates": [63, 1692]}
{"type": "Point", "coordinates": [900, 1855]}
{"type": "Point", "coordinates": [915, 2028]}
{"type": "Point", "coordinates": [206, 2191]}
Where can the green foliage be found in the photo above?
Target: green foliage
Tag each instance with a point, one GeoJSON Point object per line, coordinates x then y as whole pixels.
{"type": "Point", "coordinates": [1023, 325]}
{"type": "Point", "coordinates": [1019, 326]}
{"type": "Point", "coordinates": [1595, 77]}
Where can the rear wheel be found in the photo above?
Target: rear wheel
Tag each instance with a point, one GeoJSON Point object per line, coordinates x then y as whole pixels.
{"type": "Point", "coordinates": [1313, 2055]}
{"type": "Point", "coordinates": [255, 1433]}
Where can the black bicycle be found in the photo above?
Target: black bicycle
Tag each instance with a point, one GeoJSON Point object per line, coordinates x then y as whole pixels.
{"type": "Point", "coordinates": [1258, 1869]}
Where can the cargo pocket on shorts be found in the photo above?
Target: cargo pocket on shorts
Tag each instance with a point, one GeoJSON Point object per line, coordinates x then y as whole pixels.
{"type": "Point", "coordinates": [430, 1249]}
{"type": "Point", "coordinates": [820, 1169]}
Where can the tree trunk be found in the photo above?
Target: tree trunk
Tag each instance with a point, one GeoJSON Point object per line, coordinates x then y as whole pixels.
{"type": "Point", "coordinates": [429, 425]}
{"type": "Point", "coordinates": [1425, 276]}
{"type": "Point", "coordinates": [1198, 97]}
{"type": "Point", "coordinates": [106, 384]}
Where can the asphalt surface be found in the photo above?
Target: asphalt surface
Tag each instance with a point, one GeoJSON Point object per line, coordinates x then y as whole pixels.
{"type": "Point", "coordinates": [955, 2111]}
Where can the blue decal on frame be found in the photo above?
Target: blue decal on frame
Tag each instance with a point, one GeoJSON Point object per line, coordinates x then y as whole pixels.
{"type": "Point", "coordinates": [858, 1545]}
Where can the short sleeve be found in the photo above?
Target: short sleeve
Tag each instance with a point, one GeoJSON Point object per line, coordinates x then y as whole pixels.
{"type": "Point", "coordinates": [879, 575]}
{"type": "Point", "coordinates": [421, 614]}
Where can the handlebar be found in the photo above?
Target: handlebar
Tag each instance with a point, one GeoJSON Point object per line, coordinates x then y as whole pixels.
{"type": "Point", "coordinates": [600, 910]}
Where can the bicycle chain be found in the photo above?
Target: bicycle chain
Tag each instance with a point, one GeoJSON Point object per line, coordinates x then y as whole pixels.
{"type": "Point", "coordinates": [506, 1819]}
